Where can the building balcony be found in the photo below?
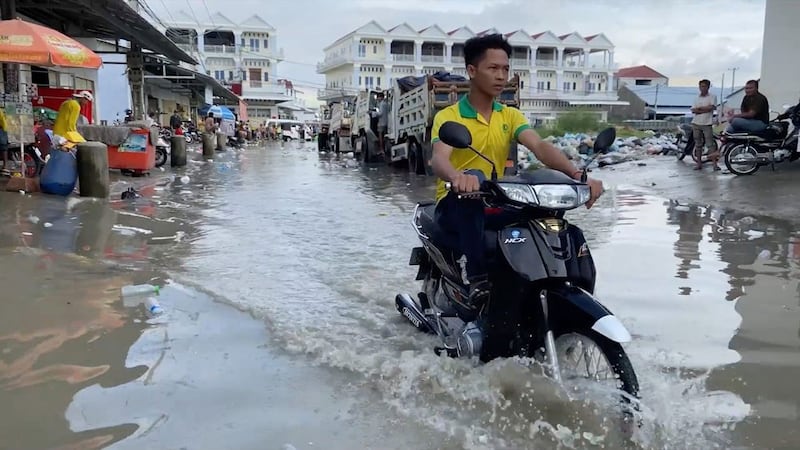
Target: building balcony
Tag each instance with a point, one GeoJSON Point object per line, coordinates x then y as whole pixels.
{"type": "Point", "coordinates": [580, 95]}
{"type": "Point", "coordinates": [331, 93]}
{"type": "Point", "coordinates": [254, 52]}
{"type": "Point", "coordinates": [431, 58]}
{"type": "Point", "coordinates": [457, 59]}
{"type": "Point", "coordinates": [331, 63]}
{"type": "Point", "coordinates": [219, 49]}
{"type": "Point", "coordinates": [520, 62]}
{"type": "Point", "coordinates": [404, 58]}
{"type": "Point", "coordinates": [546, 63]}
{"type": "Point", "coordinates": [264, 90]}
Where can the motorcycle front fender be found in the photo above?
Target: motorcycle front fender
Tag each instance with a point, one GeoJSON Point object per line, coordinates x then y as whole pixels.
{"type": "Point", "coordinates": [572, 308]}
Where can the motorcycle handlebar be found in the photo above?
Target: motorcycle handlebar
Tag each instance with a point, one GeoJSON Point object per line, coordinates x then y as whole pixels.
{"type": "Point", "coordinates": [449, 187]}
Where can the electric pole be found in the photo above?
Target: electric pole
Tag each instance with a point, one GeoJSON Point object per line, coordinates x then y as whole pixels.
{"type": "Point", "coordinates": [655, 106]}
{"type": "Point", "coordinates": [733, 78]}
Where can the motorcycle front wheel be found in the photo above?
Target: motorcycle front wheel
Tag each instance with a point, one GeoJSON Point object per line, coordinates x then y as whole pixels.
{"type": "Point", "coordinates": [587, 355]}
{"type": "Point", "coordinates": [742, 159]}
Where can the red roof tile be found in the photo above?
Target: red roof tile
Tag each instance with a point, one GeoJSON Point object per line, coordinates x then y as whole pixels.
{"type": "Point", "coordinates": [589, 38]}
{"type": "Point", "coordinates": [453, 31]}
{"type": "Point", "coordinates": [638, 72]}
{"type": "Point", "coordinates": [538, 34]}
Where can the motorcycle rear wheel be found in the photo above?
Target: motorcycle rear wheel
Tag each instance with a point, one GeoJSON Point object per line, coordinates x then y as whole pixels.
{"type": "Point", "coordinates": [161, 156]}
{"type": "Point", "coordinates": [575, 361]}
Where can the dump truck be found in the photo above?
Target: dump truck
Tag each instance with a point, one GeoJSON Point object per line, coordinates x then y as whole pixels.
{"type": "Point", "coordinates": [340, 126]}
{"type": "Point", "coordinates": [414, 101]}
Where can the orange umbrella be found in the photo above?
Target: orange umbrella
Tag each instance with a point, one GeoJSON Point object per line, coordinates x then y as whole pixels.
{"type": "Point", "coordinates": [27, 43]}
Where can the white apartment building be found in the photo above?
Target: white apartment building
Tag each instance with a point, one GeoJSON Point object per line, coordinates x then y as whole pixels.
{"type": "Point", "coordinates": [557, 73]}
{"type": "Point", "coordinates": [242, 56]}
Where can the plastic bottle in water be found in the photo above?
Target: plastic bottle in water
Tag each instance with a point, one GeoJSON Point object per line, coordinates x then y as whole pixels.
{"type": "Point", "coordinates": [153, 307]}
{"type": "Point", "coordinates": [139, 289]}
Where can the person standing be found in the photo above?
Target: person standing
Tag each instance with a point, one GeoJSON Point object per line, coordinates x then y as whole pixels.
{"type": "Point", "coordinates": [4, 142]}
{"type": "Point", "coordinates": [66, 124]}
{"type": "Point", "coordinates": [703, 110]}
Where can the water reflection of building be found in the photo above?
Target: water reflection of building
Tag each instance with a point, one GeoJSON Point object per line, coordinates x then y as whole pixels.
{"type": "Point", "coordinates": [690, 220]}
{"type": "Point", "coordinates": [762, 262]}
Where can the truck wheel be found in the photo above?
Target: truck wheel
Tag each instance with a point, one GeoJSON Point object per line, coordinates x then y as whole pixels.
{"type": "Point", "coordinates": [365, 149]}
{"type": "Point", "coordinates": [415, 158]}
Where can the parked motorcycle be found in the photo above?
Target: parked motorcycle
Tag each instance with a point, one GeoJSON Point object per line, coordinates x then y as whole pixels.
{"type": "Point", "coordinates": [542, 304]}
{"type": "Point", "coordinates": [686, 147]}
{"type": "Point", "coordinates": [747, 152]}
{"type": "Point", "coordinates": [162, 151]}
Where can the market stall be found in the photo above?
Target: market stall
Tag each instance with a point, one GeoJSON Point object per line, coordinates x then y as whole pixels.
{"type": "Point", "coordinates": [131, 146]}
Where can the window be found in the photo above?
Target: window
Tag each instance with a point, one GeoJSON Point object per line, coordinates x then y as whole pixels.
{"type": "Point", "coordinates": [362, 50]}
{"type": "Point", "coordinates": [541, 86]}
{"type": "Point", "coordinates": [266, 76]}
{"type": "Point", "coordinates": [522, 84]}
{"type": "Point", "coordinates": [266, 44]}
{"type": "Point", "coordinates": [359, 81]}
{"type": "Point", "coordinates": [374, 49]}
{"type": "Point", "coordinates": [567, 86]}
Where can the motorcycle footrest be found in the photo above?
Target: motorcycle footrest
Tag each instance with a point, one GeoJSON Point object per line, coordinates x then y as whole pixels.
{"type": "Point", "coordinates": [450, 352]}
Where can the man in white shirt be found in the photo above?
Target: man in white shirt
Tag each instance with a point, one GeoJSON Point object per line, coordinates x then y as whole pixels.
{"type": "Point", "coordinates": [703, 110]}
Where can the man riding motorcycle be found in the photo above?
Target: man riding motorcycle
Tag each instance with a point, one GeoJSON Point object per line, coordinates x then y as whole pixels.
{"type": "Point", "coordinates": [493, 127]}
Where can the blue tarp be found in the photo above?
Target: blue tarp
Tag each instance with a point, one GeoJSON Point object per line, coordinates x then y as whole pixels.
{"type": "Point", "coordinates": [219, 112]}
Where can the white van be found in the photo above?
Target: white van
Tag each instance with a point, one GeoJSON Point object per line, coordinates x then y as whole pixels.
{"type": "Point", "coordinates": [290, 128]}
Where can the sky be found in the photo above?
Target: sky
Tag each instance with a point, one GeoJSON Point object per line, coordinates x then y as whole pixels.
{"type": "Point", "coordinates": [686, 40]}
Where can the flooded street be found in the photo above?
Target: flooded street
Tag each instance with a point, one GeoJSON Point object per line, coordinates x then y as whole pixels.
{"type": "Point", "coordinates": [280, 269]}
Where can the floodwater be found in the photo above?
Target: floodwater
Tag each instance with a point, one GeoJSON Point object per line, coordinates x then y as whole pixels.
{"type": "Point", "coordinates": [280, 268]}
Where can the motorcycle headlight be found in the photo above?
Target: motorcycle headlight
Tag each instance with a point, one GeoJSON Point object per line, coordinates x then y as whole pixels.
{"type": "Point", "coordinates": [519, 192]}
{"type": "Point", "coordinates": [561, 196]}
{"type": "Point", "coordinates": [550, 196]}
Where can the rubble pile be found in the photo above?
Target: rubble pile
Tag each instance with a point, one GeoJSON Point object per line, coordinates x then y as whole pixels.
{"type": "Point", "coordinates": [578, 146]}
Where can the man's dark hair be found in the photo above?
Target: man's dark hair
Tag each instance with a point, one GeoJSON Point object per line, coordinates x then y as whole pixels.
{"type": "Point", "coordinates": [706, 82]}
{"type": "Point", "coordinates": [475, 48]}
{"type": "Point", "coordinates": [755, 82]}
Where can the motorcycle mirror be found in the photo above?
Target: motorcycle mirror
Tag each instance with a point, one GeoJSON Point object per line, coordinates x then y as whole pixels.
{"type": "Point", "coordinates": [605, 139]}
{"type": "Point", "coordinates": [455, 135]}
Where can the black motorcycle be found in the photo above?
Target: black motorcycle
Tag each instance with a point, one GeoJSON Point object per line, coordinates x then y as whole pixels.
{"type": "Point", "coordinates": [747, 152]}
{"type": "Point", "coordinates": [543, 277]}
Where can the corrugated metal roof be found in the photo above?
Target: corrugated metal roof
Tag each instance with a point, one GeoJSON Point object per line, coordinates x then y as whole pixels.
{"type": "Point", "coordinates": [679, 96]}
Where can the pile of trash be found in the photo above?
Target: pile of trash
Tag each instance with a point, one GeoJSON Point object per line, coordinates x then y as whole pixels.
{"type": "Point", "coordinates": [579, 146]}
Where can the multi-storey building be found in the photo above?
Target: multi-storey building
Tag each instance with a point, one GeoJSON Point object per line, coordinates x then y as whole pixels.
{"type": "Point", "coordinates": [557, 73]}
{"type": "Point", "coordinates": [243, 56]}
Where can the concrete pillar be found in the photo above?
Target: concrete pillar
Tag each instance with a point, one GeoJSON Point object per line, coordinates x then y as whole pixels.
{"type": "Point", "coordinates": [222, 139]}
{"type": "Point", "coordinates": [93, 180]}
{"type": "Point", "coordinates": [388, 49]}
{"type": "Point", "coordinates": [209, 143]}
{"type": "Point", "coordinates": [135, 61]}
{"type": "Point", "coordinates": [417, 52]}
{"type": "Point", "coordinates": [177, 151]}
{"type": "Point", "coordinates": [8, 11]}
{"type": "Point", "coordinates": [208, 96]}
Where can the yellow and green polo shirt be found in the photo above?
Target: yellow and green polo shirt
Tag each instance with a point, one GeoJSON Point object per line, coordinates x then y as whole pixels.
{"type": "Point", "coordinates": [492, 138]}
